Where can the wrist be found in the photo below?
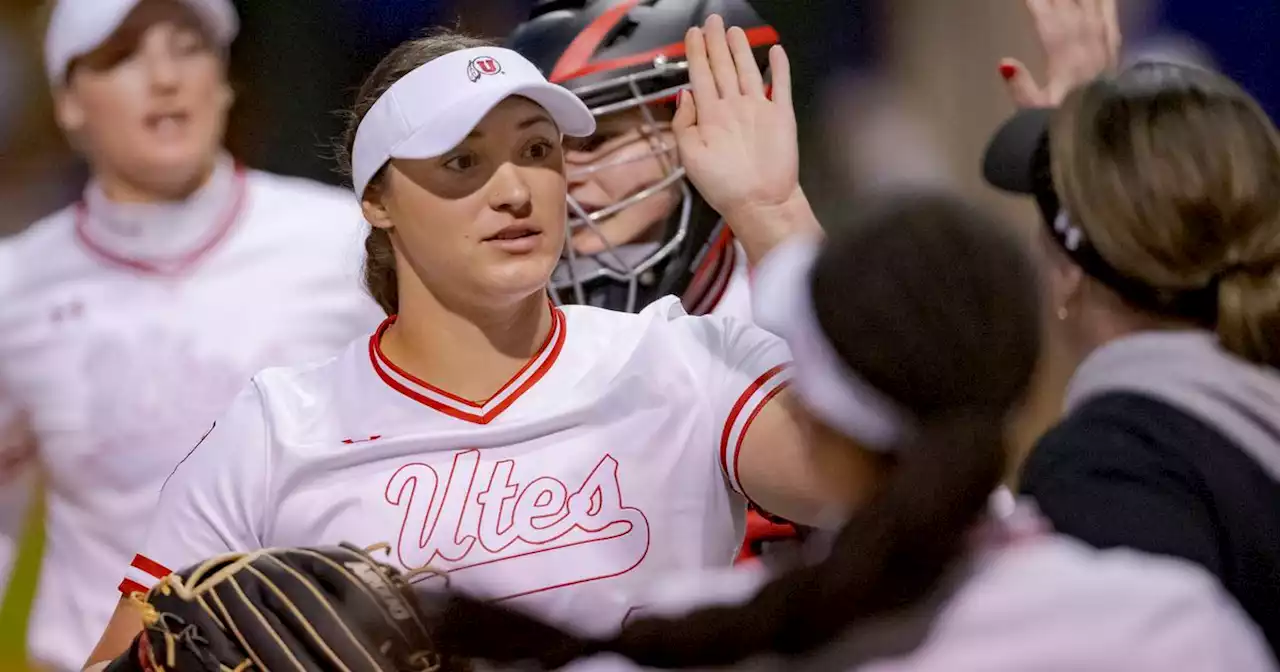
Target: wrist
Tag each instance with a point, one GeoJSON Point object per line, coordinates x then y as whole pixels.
{"type": "Point", "coordinates": [129, 661]}
{"type": "Point", "coordinates": [762, 226]}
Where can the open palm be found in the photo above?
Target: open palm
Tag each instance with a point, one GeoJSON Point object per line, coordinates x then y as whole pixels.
{"type": "Point", "coordinates": [737, 143]}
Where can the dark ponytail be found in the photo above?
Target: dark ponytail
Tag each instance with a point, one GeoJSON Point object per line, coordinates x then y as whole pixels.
{"type": "Point", "coordinates": [935, 305]}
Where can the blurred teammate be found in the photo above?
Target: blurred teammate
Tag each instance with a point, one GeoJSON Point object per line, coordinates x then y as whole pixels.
{"type": "Point", "coordinates": [556, 457]}
{"type": "Point", "coordinates": [640, 231]}
{"type": "Point", "coordinates": [1157, 189]}
{"type": "Point", "coordinates": [129, 319]}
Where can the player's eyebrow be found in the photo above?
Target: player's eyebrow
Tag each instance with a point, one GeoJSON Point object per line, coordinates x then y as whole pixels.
{"type": "Point", "coordinates": [532, 120]}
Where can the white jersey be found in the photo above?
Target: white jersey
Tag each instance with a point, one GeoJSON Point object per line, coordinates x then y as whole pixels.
{"type": "Point", "coordinates": [609, 460]}
{"type": "Point", "coordinates": [1028, 601]}
{"type": "Point", "coordinates": [123, 361]}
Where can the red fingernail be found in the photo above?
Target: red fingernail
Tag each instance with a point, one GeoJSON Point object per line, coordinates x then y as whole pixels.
{"type": "Point", "coordinates": [1007, 71]}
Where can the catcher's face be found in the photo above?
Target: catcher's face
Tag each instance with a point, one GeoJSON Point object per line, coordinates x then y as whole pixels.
{"type": "Point", "coordinates": [630, 153]}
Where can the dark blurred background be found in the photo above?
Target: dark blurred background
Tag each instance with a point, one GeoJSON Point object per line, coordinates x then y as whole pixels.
{"type": "Point", "coordinates": [910, 85]}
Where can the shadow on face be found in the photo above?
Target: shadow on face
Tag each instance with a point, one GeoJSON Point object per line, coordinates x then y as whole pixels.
{"type": "Point", "coordinates": [151, 102]}
{"type": "Point", "coordinates": [484, 222]}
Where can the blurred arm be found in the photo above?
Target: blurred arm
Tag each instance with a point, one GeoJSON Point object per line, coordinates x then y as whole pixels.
{"type": "Point", "coordinates": [18, 475]}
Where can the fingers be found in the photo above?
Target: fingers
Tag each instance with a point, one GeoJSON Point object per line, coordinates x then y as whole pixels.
{"type": "Point", "coordinates": [1020, 84]}
{"type": "Point", "coordinates": [780, 76]}
{"type": "Point", "coordinates": [721, 59]}
{"type": "Point", "coordinates": [684, 123]}
{"type": "Point", "coordinates": [750, 82]}
{"type": "Point", "coordinates": [1111, 25]}
{"type": "Point", "coordinates": [1041, 15]}
{"type": "Point", "coordinates": [701, 81]}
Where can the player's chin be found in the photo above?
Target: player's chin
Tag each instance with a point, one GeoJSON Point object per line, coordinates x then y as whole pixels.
{"type": "Point", "coordinates": [520, 275]}
{"type": "Point", "coordinates": [176, 164]}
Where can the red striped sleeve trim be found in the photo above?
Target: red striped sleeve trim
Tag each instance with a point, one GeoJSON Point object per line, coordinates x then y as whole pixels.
{"type": "Point", "coordinates": [150, 566]}
{"type": "Point", "coordinates": [129, 587]}
{"type": "Point", "coordinates": [749, 404]}
{"type": "Point", "coordinates": [143, 573]}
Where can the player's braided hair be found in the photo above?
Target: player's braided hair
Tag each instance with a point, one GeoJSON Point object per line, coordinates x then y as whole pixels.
{"type": "Point", "coordinates": [380, 261]}
{"type": "Point", "coordinates": [934, 304]}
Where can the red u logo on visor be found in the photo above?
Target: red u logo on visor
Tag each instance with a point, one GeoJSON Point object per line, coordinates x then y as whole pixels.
{"type": "Point", "coordinates": [482, 65]}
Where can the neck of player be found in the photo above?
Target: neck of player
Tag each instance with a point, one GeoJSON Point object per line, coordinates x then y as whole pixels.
{"type": "Point", "coordinates": [467, 350]}
{"type": "Point", "coordinates": [119, 186]}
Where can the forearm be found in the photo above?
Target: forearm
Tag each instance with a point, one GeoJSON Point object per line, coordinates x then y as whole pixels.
{"type": "Point", "coordinates": [761, 228]}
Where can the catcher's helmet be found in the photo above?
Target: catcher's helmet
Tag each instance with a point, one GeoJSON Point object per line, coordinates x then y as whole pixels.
{"type": "Point", "coordinates": [620, 55]}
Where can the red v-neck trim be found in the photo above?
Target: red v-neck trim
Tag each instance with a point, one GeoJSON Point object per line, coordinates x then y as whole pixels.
{"type": "Point", "coordinates": [184, 261]}
{"type": "Point", "coordinates": [478, 412]}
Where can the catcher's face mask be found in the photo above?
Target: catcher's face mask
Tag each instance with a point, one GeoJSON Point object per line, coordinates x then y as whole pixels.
{"type": "Point", "coordinates": [629, 201]}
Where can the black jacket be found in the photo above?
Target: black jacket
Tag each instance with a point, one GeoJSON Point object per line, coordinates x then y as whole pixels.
{"type": "Point", "coordinates": [1171, 446]}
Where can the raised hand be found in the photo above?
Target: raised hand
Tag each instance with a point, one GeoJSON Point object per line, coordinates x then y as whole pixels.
{"type": "Point", "coordinates": [1081, 40]}
{"type": "Point", "coordinates": [737, 142]}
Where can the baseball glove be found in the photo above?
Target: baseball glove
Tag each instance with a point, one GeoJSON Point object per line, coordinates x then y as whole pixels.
{"type": "Point", "coordinates": [295, 609]}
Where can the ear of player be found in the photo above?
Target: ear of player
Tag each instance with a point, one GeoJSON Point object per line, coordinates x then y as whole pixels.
{"type": "Point", "coordinates": [329, 608]}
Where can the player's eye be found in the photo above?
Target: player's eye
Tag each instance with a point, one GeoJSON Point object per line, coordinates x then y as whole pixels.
{"type": "Point", "coordinates": [461, 162]}
{"type": "Point", "coordinates": [539, 149]}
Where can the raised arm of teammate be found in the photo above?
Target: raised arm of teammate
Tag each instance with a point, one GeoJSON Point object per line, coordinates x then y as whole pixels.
{"type": "Point", "coordinates": [737, 139]}
{"type": "Point", "coordinates": [738, 143]}
{"type": "Point", "coordinates": [1080, 40]}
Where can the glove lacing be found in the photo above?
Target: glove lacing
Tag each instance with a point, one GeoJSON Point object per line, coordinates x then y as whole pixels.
{"type": "Point", "coordinates": [187, 634]}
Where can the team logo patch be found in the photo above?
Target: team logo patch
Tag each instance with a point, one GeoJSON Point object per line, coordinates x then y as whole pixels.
{"type": "Point", "coordinates": [481, 66]}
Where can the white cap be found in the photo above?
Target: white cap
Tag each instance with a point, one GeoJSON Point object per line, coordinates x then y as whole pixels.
{"type": "Point", "coordinates": [77, 27]}
{"type": "Point", "coordinates": [433, 108]}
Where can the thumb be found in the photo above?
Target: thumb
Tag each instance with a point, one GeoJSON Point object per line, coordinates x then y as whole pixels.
{"type": "Point", "coordinates": [685, 122]}
{"type": "Point", "coordinates": [1022, 87]}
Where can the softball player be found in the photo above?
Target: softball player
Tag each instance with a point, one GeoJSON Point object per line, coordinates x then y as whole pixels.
{"type": "Point", "coordinates": [131, 318]}
{"type": "Point", "coordinates": [640, 231]}
{"type": "Point", "coordinates": [554, 457]}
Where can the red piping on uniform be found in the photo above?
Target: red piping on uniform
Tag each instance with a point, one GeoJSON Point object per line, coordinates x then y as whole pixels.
{"type": "Point", "coordinates": [554, 340]}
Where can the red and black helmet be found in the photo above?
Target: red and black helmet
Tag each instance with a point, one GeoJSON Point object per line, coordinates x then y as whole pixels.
{"type": "Point", "coordinates": [621, 55]}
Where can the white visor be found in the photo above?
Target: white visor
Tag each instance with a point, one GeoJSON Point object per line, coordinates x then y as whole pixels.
{"type": "Point", "coordinates": [77, 27]}
{"type": "Point", "coordinates": [433, 108]}
{"type": "Point", "coordinates": [781, 301]}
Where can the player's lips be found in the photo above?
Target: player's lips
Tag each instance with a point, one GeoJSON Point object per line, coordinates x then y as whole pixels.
{"type": "Point", "coordinates": [516, 238]}
{"type": "Point", "coordinates": [169, 121]}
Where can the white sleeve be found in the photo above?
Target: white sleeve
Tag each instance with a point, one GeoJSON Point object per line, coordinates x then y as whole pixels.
{"type": "Point", "coordinates": [742, 368]}
{"type": "Point", "coordinates": [213, 502]}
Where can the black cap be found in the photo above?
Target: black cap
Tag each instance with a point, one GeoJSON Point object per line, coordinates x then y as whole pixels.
{"type": "Point", "coordinates": [1017, 159]}
{"type": "Point", "coordinates": [1021, 142]}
